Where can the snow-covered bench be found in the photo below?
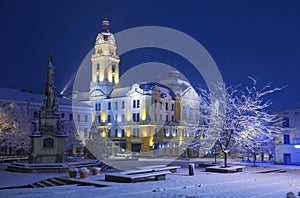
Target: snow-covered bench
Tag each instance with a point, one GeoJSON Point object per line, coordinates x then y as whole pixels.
{"type": "Point", "coordinates": [136, 176]}
{"type": "Point", "coordinates": [228, 169]}
{"type": "Point", "coordinates": [173, 169]}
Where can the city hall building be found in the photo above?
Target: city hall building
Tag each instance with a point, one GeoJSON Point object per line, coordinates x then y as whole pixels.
{"type": "Point", "coordinates": [146, 118]}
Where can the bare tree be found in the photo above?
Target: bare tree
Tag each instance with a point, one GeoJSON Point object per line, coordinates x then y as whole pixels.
{"type": "Point", "coordinates": [245, 121]}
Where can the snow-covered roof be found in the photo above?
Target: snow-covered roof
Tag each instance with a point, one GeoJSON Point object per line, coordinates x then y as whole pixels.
{"type": "Point", "coordinates": [175, 83]}
{"type": "Point", "coordinates": [27, 96]}
{"type": "Point", "coordinates": [81, 96]}
{"type": "Point", "coordinates": [20, 95]}
{"type": "Point", "coordinates": [119, 92]}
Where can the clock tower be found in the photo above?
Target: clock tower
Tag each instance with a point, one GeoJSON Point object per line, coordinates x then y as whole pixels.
{"type": "Point", "coordinates": [105, 63]}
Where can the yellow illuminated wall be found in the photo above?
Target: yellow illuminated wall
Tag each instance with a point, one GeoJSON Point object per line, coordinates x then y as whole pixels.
{"type": "Point", "coordinates": [103, 116]}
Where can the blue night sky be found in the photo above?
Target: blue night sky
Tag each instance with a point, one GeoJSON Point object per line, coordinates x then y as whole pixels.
{"type": "Point", "coordinates": [245, 38]}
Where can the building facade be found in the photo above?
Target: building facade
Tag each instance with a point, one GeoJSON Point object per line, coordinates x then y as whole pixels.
{"type": "Point", "coordinates": [147, 118]}
{"type": "Point", "coordinates": [287, 145]}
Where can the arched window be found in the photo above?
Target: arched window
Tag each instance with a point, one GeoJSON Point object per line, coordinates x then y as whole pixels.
{"type": "Point", "coordinates": [48, 143]}
{"type": "Point", "coordinates": [98, 66]}
{"type": "Point", "coordinates": [113, 69]}
{"type": "Point", "coordinates": [286, 122]}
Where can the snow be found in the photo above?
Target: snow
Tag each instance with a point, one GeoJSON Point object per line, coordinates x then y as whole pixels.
{"type": "Point", "coordinates": [26, 96]}
{"type": "Point", "coordinates": [250, 183]}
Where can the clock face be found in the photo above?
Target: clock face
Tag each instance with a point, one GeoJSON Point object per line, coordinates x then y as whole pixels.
{"type": "Point", "coordinates": [99, 40]}
{"type": "Point", "coordinates": [112, 41]}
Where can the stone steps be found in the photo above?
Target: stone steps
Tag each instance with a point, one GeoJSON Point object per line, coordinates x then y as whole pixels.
{"type": "Point", "coordinates": [51, 182]}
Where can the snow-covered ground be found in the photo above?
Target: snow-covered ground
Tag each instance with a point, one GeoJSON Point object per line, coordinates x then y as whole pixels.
{"type": "Point", "coordinates": [249, 183]}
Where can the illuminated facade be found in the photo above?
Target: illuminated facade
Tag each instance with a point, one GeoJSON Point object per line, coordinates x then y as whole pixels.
{"type": "Point", "coordinates": [287, 145]}
{"type": "Point", "coordinates": [148, 118]}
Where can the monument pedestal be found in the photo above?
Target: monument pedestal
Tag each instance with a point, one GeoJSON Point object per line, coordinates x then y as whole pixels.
{"type": "Point", "coordinates": [48, 149]}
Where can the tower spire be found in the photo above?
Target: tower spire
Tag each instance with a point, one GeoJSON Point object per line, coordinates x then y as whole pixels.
{"type": "Point", "coordinates": [105, 27]}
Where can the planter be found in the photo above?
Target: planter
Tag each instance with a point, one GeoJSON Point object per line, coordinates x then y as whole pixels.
{"type": "Point", "coordinates": [96, 171]}
{"type": "Point", "coordinates": [73, 172]}
{"type": "Point", "coordinates": [84, 173]}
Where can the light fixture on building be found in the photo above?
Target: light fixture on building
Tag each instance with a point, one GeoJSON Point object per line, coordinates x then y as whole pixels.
{"type": "Point", "coordinates": [297, 146]}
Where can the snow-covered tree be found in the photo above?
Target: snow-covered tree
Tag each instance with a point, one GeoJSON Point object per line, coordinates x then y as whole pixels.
{"type": "Point", "coordinates": [74, 142]}
{"type": "Point", "coordinates": [245, 120]}
{"type": "Point", "coordinates": [15, 129]}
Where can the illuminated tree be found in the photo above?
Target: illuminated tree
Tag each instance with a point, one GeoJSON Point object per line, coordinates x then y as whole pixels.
{"type": "Point", "coordinates": [14, 129]}
{"type": "Point", "coordinates": [245, 120]}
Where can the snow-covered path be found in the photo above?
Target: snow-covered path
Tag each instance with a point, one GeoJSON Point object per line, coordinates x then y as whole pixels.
{"type": "Point", "coordinates": [249, 183]}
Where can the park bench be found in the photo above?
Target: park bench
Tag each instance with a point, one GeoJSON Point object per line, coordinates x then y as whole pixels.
{"type": "Point", "coordinates": [173, 169]}
{"type": "Point", "coordinates": [136, 176]}
{"type": "Point", "coordinates": [228, 169]}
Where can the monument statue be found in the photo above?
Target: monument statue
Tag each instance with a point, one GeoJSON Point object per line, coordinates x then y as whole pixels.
{"type": "Point", "coordinates": [49, 136]}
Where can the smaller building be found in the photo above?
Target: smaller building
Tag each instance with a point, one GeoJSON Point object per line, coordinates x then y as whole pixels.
{"type": "Point", "coordinates": [287, 145]}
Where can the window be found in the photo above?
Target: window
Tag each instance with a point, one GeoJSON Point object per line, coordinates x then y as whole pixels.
{"type": "Point", "coordinates": [85, 118]}
{"type": "Point", "coordinates": [155, 132]}
{"type": "Point", "coordinates": [113, 69]}
{"type": "Point", "coordinates": [98, 106]}
{"type": "Point", "coordinates": [108, 133]}
{"type": "Point", "coordinates": [174, 132]}
{"type": "Point", "coordinates": [85, 132]}
{"type": "Point", "coordinates": [99, 119]}
{"type": "Point", "coordinates": [172, 107]}
{"type": "Point", "coordinates": [167, 118]}
{"type": "Point", "coordinates": [35, 114]}
{"type": "Point", "coordinates": [160, 104]}
{"type": "Point", "coordinates": [78, 117]}
{"type": "Point", "coordinates": [136, 103]}
{"type": "Point", "coordinates": [167, 106]}
{"type": "Point", "coordinates": [98, 79]}
{"type": "Point", "coordinates": [286, 139]}
{"type": "Point", "coordinates": [136, 117]}
{"type": "Point", "coordinates": [123, 118]}
{"type": "Point", "coordinates": [62, 115]}
{"type": "Point", "coordinates": [116, 133]}
{"type": "Point", "coordinates": [70, 117]}
{"type": "Point", "coordinates": [136, 132]}
{"type": "Point", "coordinates": [172, 118]}
{"type": "Point", "coordinates": [286, 122]}
{"type": "Point", "coordinates": [98, 66]}
{"type": "Point", "coordinates": [155, 117]}
{"type": "Point", "coordinates": [48, 143]}
{"type": "Point", "coordinates": [116, 105]}
{"type": "Point", "coordinates": [109, 106]}
{"type": "Point", "coordinates": [108, 118]}
{"type": "Point", "coordinates": [123, 104]}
